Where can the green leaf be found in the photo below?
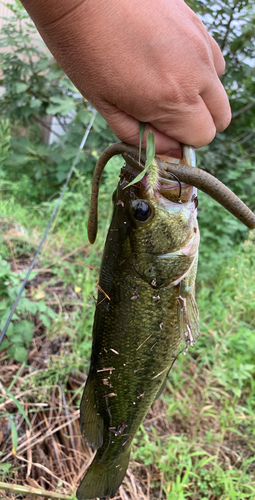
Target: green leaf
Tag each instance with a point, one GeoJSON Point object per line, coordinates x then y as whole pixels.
{"type": "Point", "coordinates": [25, 305]}
{"type": "Point", "coordinates": [61, 176]}
{"type": "Point", "coordinates": [25, 330]}
{"type": "Point", "coordinates": [9, 332]}
{"type": "Point", "coordinates": [84, 116]}
{"type": "Point", "coordinates": [150, 153]}
{"type": "Point", "coordinates": [20, 87]}
{"type": "Point", "coordinates": [51, 313]}
{"type": "Point", "coordinates": [3, 305]}
{"type": "Point", "coordinates": [5, 268]}
{"type": "Point", "coordinates": [19, 406]}
{"type": "Point", "coordinates": [19, 353]}
{"type": "Point", "coordinates": [14, 435]}
{"type": "Point", "coordinates": [150, 149]}
{"type": "Point", "coordinates": [35, 103]}
{"type": "Point", "coordinates": [4, 344]}
{"type": "Point", "coordinates": [62, 105]}
{"type": "Point", "coordinates": [45, 319]}
{"type": "Point", "coordinates": [99, 123]}
{"type": "Point", "coordinates": [5, 467]}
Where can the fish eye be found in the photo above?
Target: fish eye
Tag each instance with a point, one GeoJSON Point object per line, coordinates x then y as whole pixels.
{"type": "Point", "coordinates": [141, 211]}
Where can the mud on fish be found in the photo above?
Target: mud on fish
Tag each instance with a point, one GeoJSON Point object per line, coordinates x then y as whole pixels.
{"type": "Point", "coordinates": [145, 308]}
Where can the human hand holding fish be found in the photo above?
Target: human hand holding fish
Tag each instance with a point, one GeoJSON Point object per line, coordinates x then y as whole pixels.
{"type": "Point", "coordinates": [151, 61]}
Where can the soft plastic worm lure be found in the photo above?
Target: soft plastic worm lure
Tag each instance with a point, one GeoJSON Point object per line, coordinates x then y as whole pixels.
{"type": "Point", "coordinates": [185, 172]}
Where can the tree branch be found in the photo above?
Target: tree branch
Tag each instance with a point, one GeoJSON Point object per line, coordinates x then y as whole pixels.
{"type": "Point", "coordinates": [242, 110]}
{"type": "Point", "coordinates": [224, 41]}
{"type": "Point", "coordinates": [43, 124]}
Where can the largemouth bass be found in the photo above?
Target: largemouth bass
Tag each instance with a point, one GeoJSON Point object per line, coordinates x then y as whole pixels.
{"type": "Point", "coordinates": [145, 308]}
{"type": "Point", "coordinates": [184, 171]}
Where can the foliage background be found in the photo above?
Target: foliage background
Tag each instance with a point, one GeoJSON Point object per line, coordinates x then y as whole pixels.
{"type": "Point", "coordinates": [198, 440]}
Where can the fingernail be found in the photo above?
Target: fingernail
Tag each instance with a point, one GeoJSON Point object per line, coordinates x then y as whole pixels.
{"type": "Point", "coordinates": [175, 153]}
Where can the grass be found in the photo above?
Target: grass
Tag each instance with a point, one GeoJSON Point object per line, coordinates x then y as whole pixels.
{"type": "Point", "coordinates": [197, 441]}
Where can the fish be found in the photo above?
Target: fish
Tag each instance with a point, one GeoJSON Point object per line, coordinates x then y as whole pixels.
{"type": "Point", "coordinates": [182, 169]}
{"type": "Point", "coordinates": [145, 309]}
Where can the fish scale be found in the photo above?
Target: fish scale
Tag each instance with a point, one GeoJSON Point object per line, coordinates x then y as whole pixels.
{"type": "Point", "coordinates": [136, 332]}
{"type": "Point", "coordinates": [146, 301]}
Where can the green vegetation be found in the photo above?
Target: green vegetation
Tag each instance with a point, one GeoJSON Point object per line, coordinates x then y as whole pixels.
{"type": "Point", "coordinates": [198, 441]}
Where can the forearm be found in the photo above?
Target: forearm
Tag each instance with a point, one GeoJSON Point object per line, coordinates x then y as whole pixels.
{"type": "Point", "coordinates": [62, 25]}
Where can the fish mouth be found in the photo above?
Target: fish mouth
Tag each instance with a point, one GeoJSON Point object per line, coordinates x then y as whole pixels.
{"type": "Point", "coordinates": [169, 200]}
{"type": "Point", "coordinates": [182, 169]}
{"type": "Point", "coordinates": [175, 191]}
{"type": "Point", "coordinates": [172, 190]}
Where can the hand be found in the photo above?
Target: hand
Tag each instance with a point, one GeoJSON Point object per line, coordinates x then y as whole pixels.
{"type": "Point", "coordinates": [146, 60]}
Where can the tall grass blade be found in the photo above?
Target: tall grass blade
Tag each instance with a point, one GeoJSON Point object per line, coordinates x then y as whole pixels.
{"type": "Point", "coordinates": [150, 153]}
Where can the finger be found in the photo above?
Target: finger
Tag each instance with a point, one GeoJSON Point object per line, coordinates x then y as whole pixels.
{"type": "Point", "coordinates": [196, 122]}
{"type": "Point", "coordinates": [126, 128]}
{"type": "Point", "coordinates": [193, 124]}
{"type": "Point", "coordinates": [217, 103]}
{"type": "Point", "coordinates": [219, 61]}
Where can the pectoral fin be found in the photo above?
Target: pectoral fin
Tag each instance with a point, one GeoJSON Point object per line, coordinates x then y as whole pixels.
{"type": "Point", "coordinates": [92, 424]}
{"type": "Point", "coordinates": [188, 317]}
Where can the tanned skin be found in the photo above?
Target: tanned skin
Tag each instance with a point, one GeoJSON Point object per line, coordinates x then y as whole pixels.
{"type": "Point", "coordinates": [150, 61]}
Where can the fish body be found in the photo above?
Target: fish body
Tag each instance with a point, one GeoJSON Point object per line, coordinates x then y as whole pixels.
{"type": "Point", "coordinates": [145, 307]}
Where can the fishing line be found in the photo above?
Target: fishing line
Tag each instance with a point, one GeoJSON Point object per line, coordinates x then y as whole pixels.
{"type": "Point", "coordinates": [49, 224]}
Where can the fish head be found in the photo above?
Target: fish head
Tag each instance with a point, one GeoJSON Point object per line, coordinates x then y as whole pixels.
{"type": "Point", "coordinates": [163, 230]}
